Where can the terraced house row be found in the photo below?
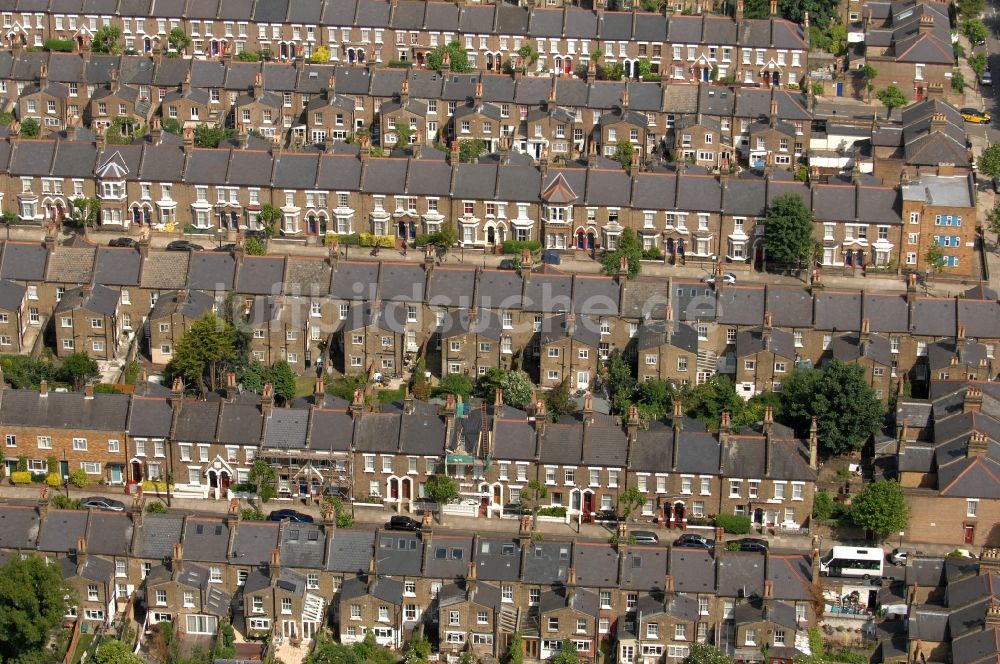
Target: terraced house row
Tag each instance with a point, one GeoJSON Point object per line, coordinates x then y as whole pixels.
{"type": "Point", "coordinates": [768, 51]}
{"type": "Point", "coordinates": [305, 103]}
{"type": "Point", "coordinates": [290, 580]}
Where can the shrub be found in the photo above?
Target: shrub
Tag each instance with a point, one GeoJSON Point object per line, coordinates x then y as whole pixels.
{"type": "Point", "coordinates": [156, 507]}
{"type": "Point", "coordinates": [351, 240]}
{"type": "Point", "coordinates": [251, 514]}
{"type": "Point", "coordinates": [399, 64]}
{"type": "Point", "coordinates": [552, 511]}
{"type": "Point", "coordinates": [150, 486]}
{"type": "Point", "coordinates": [62, 502]}
{"type": "Point", "coordinates": [60, 45]}
{"type": "Point", "coordinates": [823, 505]}
{"type": "Point", "coordinates": [372, 240]}
{"type": "Point", "coordinates": [734, 524]}
{"type": "Point", "coordinates": [20, 477]}
{"type": "Point", "coordinates": [517, 246]}
{"type": "Point", "coordinates": [254, 247]}
{"type": "Point", "coordinates": [53, 479]}
{"type": "Point", "coordinates": [732, 546]}
{"type": "Point", "coordinates": [78, 478]}
{"type": "Point", "coordinates": [652, 254]}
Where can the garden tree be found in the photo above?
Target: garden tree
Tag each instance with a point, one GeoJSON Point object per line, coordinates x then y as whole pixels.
{"type": "Point", "coordinates": [458, 384]}
{"type": "Point", "coordinates": [532, 496]}
{"type": "Point", "coordinates": [370, 652]}
{"type": "Point", "coordinates": [328, 651]}
{"type": "Point", "coordinates": [891, 97]}
{"type": "Point", "coordinates": [459, 58]}
{"type": "Point", "coordinates": [881, 508]}
{"type": "Point", "coordinates": [33, 601]}
{"type": "Point", "coordinates": [557, 400]}
{"type": "Point", "coordinates": [172, 126]}
{"type": "Point", "coordinates": [30, 128]}
{"type": "Point", "coordinates": [113, 651]}
{"type": "Point", "coordinates": [705, 653]}
{"type": "Point", "coordinates": [225, 642]}
{"type": "Point", "coordinates": [282, 378]}
{"type": "Point", "coordinates": [528, 55]}
{"type": "Point", "coordinates": [267, 217]}
{"type": "Point", "coordinates": [107, 40]}
{"type": "Point", "coordinates": [567, 654]}
{"type": "Point", "coordinates": [630, 247]}
{"type": "Point", "coordinates": [78, 368]}
{"type": "Point", "coordinates": [623, 152]}
{"type": "Point", "coordinates": [833, 39]}
{"type": "Point", "coordinates": [654, 399]}
{"type": "Point", "coordinates": [209, 136]}
{"type": "Point", "coordinates": [21, 371]}
{"type": "Point", "coordinates": [974, 30]}
{"type": "Point", "coordinates": [471, 149]}
{"type": "Point", "coordinates": [202, 349]}
{"type": "Point", "coordinates": [846, 409]}
{"type": "Point", "coordinates": [788, 230]}
{"type": "Point", "coordinates": [419, 650]}
{"type": "Point", "coordinates": [178, 39]}
{"type": "Point", "coordinates": [516, 385]}
{"type": "Point", "coordinates": [253, 246]}
{"type": "Point", "coordinates": [868, 73]}
{"type": "Point", "coordinates": [515, 655]}
{"type": "Point", "coordinates": [320, 55]}
{"type": "Point", "coordinates": [630, 500]}
{"type": "Point", "coordinates": [970, 8]}
{"type": "Point", "coordinates": [420, 387]}
{"type": "Point", "coordinates": [442, 490]}
{"type": "Point", "coordinates": [620, 382]}
{"type": "Point", "coordinates": [706, 402]}
{"type": "Point", "coordinates": [989, 161]}
{"type": "Point", "coordinates": [263, 477]}
{"type": "Point", "coordinates": [935, 257]}
{"type": "Point", "coordinates": [85, 211]}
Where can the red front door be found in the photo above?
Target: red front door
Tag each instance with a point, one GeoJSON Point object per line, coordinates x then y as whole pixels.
{"type": "Point", "coordinates": [970, 534]}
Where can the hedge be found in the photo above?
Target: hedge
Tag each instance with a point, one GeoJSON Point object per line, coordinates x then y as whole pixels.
{"type": "Point", "coordinates": [518, 246]}
{"type": "Point", "coordinates": [734, 524]}
{"type": "Point", "coordinates": [552, 511]}
{"type": "Point", "coordinates": [21, 477]}
{"type": "Point", "coordinates": [371, 240]}
{"type": "Point", "coordinates": [60, 45]}
{"type": "Point", "coordinates": [53, 479]}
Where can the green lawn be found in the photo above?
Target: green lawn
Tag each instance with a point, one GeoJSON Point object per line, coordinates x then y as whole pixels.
{"type": "Point", "coordinates": [81, 646]}
{"type": "Point", "coordinates": [304, 385]}
{"type": "Point", "coordinates": [388, 396]}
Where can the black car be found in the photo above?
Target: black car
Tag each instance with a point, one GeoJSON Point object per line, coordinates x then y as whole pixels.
{"type": "Point", "coordinates": [100, 503]}
{"type": "Point", "coordinates": [291, 515]}
{"type": "Point", "coordinates": [691, 541]}
{"type": "Point", "coordinates": [184, 245]}
{"type": "Point", "coordinates": [403, 523]}
{"type": "Point", "coordinates": [507, 264]}
{"type": "Point", "coordinates": [228, 248]}
{"type": "Point", "coordinates": [751, 544]}
{"type": "Point", "coordinates": [123, 242]}
{"type": "Point", "coordinates": [607, 516]}
{"type": "Point", "coordinates": [517, 509]}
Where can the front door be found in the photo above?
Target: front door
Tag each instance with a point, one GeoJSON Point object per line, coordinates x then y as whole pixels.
{"type": "Point", "coordinates": [116, 474]}
{"type": "Point", "coordinates": [224, 481]}
{"type": "Point", "coordinates": [496, 494]}
{"type": "Point", "coordinates": [970, 534]}
{"type": "Point", "coordinates": [582, 380]}
{"type": "Point", "coordinates": [64, 471]}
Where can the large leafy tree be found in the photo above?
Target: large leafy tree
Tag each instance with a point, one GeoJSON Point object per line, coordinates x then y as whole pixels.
{"type": "Point", "coordinates": [532, 496]}
{"type": "Point", "coordinates": [78, 368]}
{"type": "Point", "coordinates": [620, 382]}
{"type": "Point", "coordinates": [263, 476]}
{"type": "Point", "coordinates": [108, 40]}
{"type": "Point", "coordinates": [707, 401]}
{"type": "Point", "coordinates": [846, 409]}
{"type": "Point", "coordinates": [33, 601]}
{"type": "Point", "coordinates": [516, 385]}
{"type": "Point", "coordinates": [788, 229]}
{"type": "Point", "coordinates": [989, 161]}
{"type": "Point", "coordinates": [891, 97]}
{"type": "Point", "coordinates": [631, 500]}
{"type": "Point", "coordinates": [654, 398]}
{"type": "Point", "coordinates": [881, 508]}
{"type": "Point", "coordinates": [567, 654]}
{"type": "Point", "coordinates": [203, 348]}
{"type": "Point", "coordinates": [630, 247]}
{"type": "Point", "coordinates": [558, 401]}
{"type": "Point", "coordinates": [283, 381]}
{"type": "Point", "coordinates": [459, 58]}
{"type": "Point", "coordinates": [209, 136]}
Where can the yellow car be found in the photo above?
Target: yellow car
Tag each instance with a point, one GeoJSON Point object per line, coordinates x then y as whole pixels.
{"type": "Point", "coordinates": [977, 117]}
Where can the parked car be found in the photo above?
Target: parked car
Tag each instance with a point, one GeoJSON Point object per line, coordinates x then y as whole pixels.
{"type": "Point", "coordinates": [970, 114]}
{"type": "Point", "coordinates": [100, 503]}
{"type": "Point", "coordinates": [607, 516]}
{"type": "Point", "coordinates": [291, 515]}
{"type": "Point", "coordinates": [986, 78]}
{"type": "Point", "coordinates": [899, 556]}
{"type": "Point", "coordinates": [507, 264]}
{"type": "Point", "coordinates": [692, 541]}
{"type": "Point", "coordinates": [123, 242]}
{"type": "Point", "coordinates": [751, 544]}
{"type": "Point", "coordinates": [551, 257]}
{"type": "Point", "coordinates": [184, 245]}
{"type": "Point", "coordinates": [403, 523]}
{"type": "Point", "coordinates": [516, 508]}
{"type": "Point", "coordinates": [645, 537]}
{"type": "Point", "coordinates": [728, 279]}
